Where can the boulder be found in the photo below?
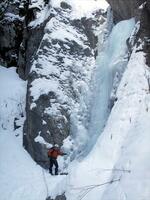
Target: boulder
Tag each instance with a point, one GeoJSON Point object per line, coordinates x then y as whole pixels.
{"type": "Point", "coordinates": [65, 5]}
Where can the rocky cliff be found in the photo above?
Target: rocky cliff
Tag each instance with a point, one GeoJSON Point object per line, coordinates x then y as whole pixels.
{"type": "Point", "coordinates": [60, 72]}
{"type": "Point", "coordinates": [11, 27]}
{"type": "Point", "coordinates": [124, 9]}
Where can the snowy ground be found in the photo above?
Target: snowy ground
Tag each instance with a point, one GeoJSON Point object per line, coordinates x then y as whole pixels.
{"type": "Point", "coordinates": [12, 101]}
{"type": "Point", "coordinates": [20, 176]}
{"type": "Point", "coordinates": [131, 133]}
{"type": "Point", "coordinates": [121, 153]}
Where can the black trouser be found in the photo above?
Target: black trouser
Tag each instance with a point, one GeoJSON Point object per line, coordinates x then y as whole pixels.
{"type": "Point", "coordinates": [53, 161]}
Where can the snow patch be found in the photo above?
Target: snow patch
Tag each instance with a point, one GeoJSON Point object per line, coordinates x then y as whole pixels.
{"type": "Point", "coordinates": [121, 152]}
{"type": "Point", "coordinates": [44, 86]}
{"type": "Point", "coordinates": [12, 101]}
{"type": "Point", "coordinates": [24, 179]}
{"type": "Point", "coordinates": [83, 8]}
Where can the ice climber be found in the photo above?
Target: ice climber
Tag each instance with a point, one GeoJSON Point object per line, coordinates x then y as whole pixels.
{"type": "Point", "coordinates": [53, 153]}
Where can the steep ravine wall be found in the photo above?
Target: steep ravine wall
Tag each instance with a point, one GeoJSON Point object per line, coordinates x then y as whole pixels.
{"type": "Point", "coordinates": [124, 9]}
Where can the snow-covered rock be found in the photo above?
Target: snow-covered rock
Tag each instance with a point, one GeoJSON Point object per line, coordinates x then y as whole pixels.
{"type": "Point", "coordinates": [61, 72]}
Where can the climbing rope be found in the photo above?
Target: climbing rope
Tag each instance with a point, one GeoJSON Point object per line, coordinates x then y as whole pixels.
{"type": "Point", "coordinates": [86, 189]}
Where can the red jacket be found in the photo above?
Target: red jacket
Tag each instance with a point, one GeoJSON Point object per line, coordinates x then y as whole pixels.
{"type": "Point", "coordinates": [54, 152]}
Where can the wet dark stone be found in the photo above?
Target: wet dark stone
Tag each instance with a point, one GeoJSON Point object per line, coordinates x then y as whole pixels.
{"type": "Point", "coordinates": [65, 5]}
{"type": "Point", "coordinates": [124, 9]}
{"type": "Point", "coordinates": [59, 197]}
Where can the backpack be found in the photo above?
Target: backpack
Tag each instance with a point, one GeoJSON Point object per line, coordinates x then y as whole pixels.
{"type": "Point", "coordinates": [50, 152]}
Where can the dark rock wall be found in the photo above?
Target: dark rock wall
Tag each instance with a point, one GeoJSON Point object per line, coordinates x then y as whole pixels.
{"type": "Point", "coordinates": [28, 48]}
{"type": "Point", "coordinates": [18, 41]}
{"type": "Point", "coordinates": [124, 9]}
{"type": "Point", "coordinates": [59, 197]}
{"type": "Point", "coordinates": [144, 32]}
{"type": "Point", "coordinates": [11, 28]}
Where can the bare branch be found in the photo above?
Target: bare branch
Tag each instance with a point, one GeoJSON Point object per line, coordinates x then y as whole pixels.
{"type": "Point", "coordinates": [86, 189]}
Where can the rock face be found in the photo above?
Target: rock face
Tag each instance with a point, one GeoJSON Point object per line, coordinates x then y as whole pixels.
{"type": "Point", "coordinates": [59, 197]}
{"type": "Point", "coordinates": [18, 41]}
{"type": "Point", "coordinates": [55, 51]}
{"type": "Point", "coordinates": [124, 9]}
{"type": "Point", "coordinates": [63, 59]}
{"type": "Point", "coordinates": [144, 31]}
{"type": "Point", "coordinates": [11, 27]}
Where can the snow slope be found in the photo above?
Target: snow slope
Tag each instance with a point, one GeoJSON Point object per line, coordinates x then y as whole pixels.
{"type": "Point", "coordinates": [20, 177]}
{"type": "Point", "coordinates": [121, 153]}
{"type": "Point", "coordinates": [132, 128]}
{"type": "Point", "coordinates": [12, 101]}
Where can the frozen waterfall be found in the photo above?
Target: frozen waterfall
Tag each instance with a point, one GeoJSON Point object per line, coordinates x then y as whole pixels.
{"type": "Point", "coordinates": [102, 151]}
{"type": "Point", "coordinates": [110, 65]}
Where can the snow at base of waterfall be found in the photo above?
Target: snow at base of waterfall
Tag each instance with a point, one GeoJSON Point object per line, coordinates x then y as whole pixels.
{"type": "Point", "coordinates": [121, 154]}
